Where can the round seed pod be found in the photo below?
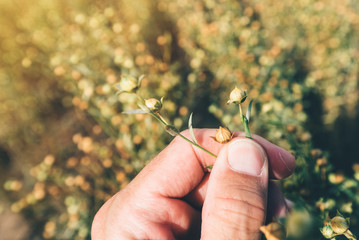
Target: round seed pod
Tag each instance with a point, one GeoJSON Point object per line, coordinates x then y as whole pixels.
{"type": "Point", "coordinates": [327, 231]}
{"type": "Point", "coordinates": [223, 135]}
{"type": "Point", "coordinates": [237, 96]}
{"type": "Point", "coordinates": [154, 104]}
{"type": "Point", "coordinates": [339, 224]}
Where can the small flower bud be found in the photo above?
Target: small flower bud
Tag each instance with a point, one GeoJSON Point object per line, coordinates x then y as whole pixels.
{"type": "Point", "coordinates": [127, 84]}
{"type": "Point", "coordinates": [339, 224]}
{"type": "Point", "coordinates": [237, 96]}
{"type": "Point", "coordinates": [327, 231]}
{"type": "Point", "coordinates": [153, 104]}
{"type": "Point", "coordinates": [223, 135]}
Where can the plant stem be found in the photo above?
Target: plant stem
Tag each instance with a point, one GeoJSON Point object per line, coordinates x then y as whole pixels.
{"type": "Point", "coordinates": [350, 235]}
{"type": "Point", "coordinates": [163, 120]}
{"type": "Point", "coordinates": [195, 144]}
{"type": "Point", "coordinates": [140, 98]}
{"type": "Point", "coordinates": [244, 123]}
{"type": "Point", "coordinates": [159, 117]}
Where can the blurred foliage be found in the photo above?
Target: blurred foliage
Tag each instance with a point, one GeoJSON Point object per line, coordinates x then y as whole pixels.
{"type": "Point", "coordinates": [65, 148]}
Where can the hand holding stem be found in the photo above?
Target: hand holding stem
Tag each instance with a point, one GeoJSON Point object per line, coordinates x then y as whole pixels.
{"type": "Point", "coordinates": [153, 107]}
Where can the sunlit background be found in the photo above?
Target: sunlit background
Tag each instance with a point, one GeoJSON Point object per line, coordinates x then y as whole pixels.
{"type": "Point", "coordinates": [65, 148]}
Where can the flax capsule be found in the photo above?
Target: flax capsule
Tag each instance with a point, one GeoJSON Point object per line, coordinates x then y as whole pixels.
{"type": "Point", "coordinates": [223, 135]}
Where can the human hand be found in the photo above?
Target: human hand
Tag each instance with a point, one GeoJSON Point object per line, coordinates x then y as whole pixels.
{"type": "Point", "coordinates": [174, 196]}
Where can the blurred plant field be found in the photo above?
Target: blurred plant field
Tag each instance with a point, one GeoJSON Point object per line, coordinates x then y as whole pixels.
{"type": "Point", "coordinates": [65, 147]}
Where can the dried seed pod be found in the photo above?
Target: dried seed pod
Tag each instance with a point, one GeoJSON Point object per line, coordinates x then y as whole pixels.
{"type": "Point", "coordinates": [237, 96]}
{"type": "Point", "coordinates": [153, 104]}
{"type": "Point", "coordinates": [223, 135]}
{"type": "Point", "coordinates": [339, 224]}
{"type": "Point", "coordinates": [327, 231]}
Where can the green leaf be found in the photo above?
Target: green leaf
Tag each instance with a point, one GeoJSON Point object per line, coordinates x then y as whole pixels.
{"type": "Point", "coordinates": [191, 129]}
{"type": "Point", "coordinates": [144, 107]}
{"type": "Point", "coordinates": [135, 111]}
{"type": "Point", "coordinates": [249, 109]}
{"type": "Point", "coordinates": [209, 167]}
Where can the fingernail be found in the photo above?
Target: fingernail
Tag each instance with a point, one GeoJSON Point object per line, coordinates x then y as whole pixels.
{"type": "Point", "coordinates": [246, 156]}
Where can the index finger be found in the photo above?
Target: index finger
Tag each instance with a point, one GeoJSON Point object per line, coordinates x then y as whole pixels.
{"type": "Point", "coordinates": [180, 167]}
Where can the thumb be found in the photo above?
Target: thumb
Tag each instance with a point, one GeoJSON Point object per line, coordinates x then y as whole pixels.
{"type": "Point", "coordinates": [236, 200]}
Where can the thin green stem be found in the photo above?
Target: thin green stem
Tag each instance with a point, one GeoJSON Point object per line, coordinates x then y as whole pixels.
{"type": "Point", "coordinates": [140, 98]}
{"type": "Point", "coordinates": [350, 235]}
{"type": "Point", "coordinates": [195, 144]}
{"type": "Point", "coordinates": [244, 123]}
{"type": "Point", "coordinates": [159, 117]}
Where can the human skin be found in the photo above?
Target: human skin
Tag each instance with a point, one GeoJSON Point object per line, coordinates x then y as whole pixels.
{"type": "Point", "coordinates": [176, 197]}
